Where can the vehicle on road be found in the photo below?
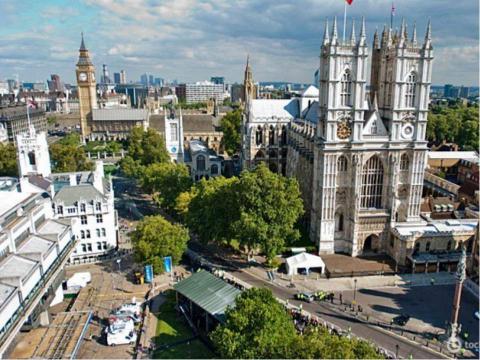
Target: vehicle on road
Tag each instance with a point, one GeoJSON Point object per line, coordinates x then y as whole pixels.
{"type": "Point", "coordinates": [401, 319]}
{"type": "Point", "coordinates": [305, 296]}
{"type": "Point", "coordinates": [323, 295]}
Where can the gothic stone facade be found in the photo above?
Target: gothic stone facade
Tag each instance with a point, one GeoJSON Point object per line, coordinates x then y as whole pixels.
{"type": "Point", "coordinates": [359, 159]}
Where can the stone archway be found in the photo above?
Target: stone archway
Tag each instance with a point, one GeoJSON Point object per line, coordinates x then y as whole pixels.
{"type": "Point", "coordinates": [370, 244]}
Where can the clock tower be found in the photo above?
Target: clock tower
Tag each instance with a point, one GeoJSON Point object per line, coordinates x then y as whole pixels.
{"type": "Point", "coordinates": [87, 92]}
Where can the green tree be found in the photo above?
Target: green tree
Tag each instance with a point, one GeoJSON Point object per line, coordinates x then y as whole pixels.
{"type": "Point", "coordinates": [166, 181]}
{"type": "Point", "coordinates": [269, 206]}
{"type": "Point", "coordinates": [231, 127]}
{"type": "Point", "coordinates": [212, 209]}
{"type": "Point", "coordinates": [155, 238]}
{"type": "Point", "coordinates": [257, 327]}
{"type": "Point", "coordinates": [8, 160]}
{"type": "Point", "coordinates": [68, 155]}
{"type": "Point", "coordinates": [144, 148]}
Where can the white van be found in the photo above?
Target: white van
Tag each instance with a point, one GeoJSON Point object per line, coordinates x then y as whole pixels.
{"type": "Point", "coordinates": [121, 338]}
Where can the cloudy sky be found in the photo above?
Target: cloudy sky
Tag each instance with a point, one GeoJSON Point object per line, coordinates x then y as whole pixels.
{"type": "Point", "coordinates": [191, 40]}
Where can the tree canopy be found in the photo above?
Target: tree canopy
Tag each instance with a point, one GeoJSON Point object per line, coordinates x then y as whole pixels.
{"type": "Point", "coordinates": [259, 210]}
{"type": "Point", "coordinates": [67, 155]}
{"type": "Point", "coordinates": [8, 160]}
{"type": "Point", "coordinates": [155, 238]}
{"type": "Point", "coordinates": [166, 181]}
{"type": "Point", "coordinates": [260, 327]}
{"type": "Point", "coordinates": [144, 148]}
{"type": "Point", "coordinates": [457, 123]}
{"type": "Point", "coordinates": [231, 127]}
{"type": "Point", "coordinates": [257, 327]}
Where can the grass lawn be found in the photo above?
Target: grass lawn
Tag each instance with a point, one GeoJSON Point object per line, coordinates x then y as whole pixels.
{"type": "Point", "coordinates": [195, 350]}
{"type": "Point", "coordinates": [171, 328]}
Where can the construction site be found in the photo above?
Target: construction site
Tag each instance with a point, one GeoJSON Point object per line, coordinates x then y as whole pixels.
{"type": "Point", "coordinates": [78, 325]}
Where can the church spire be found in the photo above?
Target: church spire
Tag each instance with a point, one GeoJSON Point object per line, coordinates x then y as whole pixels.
{"type": "Point", "coordinates": [401, 35]}
{"type": "Point", "coordinates": [375, 39]}
{"type": "Point", "coordinates": [353, 38]}
{"type": "Point", "coordinates": [334, 31]}
{"type": "Point", "coordinates": [428, 36]}
{"type": "Point", "coordinates": [326, 37]}
{"type": "Point", "coordinates": [363, 36]}
{"type": "Point", "coordinates": [414, 34]}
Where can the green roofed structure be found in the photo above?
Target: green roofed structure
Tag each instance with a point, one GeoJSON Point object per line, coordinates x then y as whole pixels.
{"type": "Point", "coordinates": [203, 297]}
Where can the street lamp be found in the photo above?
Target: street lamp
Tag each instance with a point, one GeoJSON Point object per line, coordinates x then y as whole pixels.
{"type": "Point", "coordinates": [354, 289]}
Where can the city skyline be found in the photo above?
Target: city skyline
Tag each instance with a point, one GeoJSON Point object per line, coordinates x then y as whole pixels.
{"type": "Point", "coordinates": [194, 40]}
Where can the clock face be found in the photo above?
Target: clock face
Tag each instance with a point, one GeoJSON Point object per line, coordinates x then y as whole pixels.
{"type": "Point", "coordinates": [407, 131]}
{"type": "Point", "coordinates": [82, 76]}
{"type": "Point", "coordinates": [343, 130]}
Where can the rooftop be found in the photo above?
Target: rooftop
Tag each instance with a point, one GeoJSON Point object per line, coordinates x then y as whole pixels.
{"type": "Point", "coordinates": [35, 244]}
{"type": "Point", "coordinates": [438, 227]}
{"type": "Point", "coordinates": [12, 199]}
{"type": "Point", "coordinates": [69, 195]}
{"type": "Point", "coordinates": [119, 114]}
{"type": "Point", "coordinates": [5, 291]}
{"type": "Point", "coordinates": [281, 109]}
{"type": "Point", "coordinates": [460, 155]}
{"type": "Point", "coordinates": [16, 266]}
{"type": "Point", "coordinates": [209, 292]}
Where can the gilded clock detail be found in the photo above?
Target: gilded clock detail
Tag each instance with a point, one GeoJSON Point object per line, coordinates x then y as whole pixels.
{"type": "Point", "coordinates": [343, 130]}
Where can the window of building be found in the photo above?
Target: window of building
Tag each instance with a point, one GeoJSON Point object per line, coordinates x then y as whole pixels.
{"type": "Point", "coordinates": [200, 163]}
{"type": "Point", "coordinates": [31, 158]}
{"type": "Point", "coordinates": [83, 220]}
{"type": "Point", "coordinates": [99, 218]}
{"type": "Point", "coordinates": [449, 245]}
{"type": "Point", "coordinates": [98, 206]}
{"type": "Point", "coordinates": [372, 183]}
{"type": "Point", "coordinates": [417, 247]}
{"type": "Point", "coordinates": [259, 136]}
{"type": "Point", "coordinates": [427, 246]}
{"type": "Point", "coordinates": [173, 132]}
{"type": "Point", "coordinates": [84, 248]}
{"type": "Point", "coordinates": [284, 135]}
{"type": "Point", "coordinates": [104, 243]}
{"type": "Point", "coordinates": [87, 234]}
{"type": "Point", "coordinates": [339, 221]}
{"type": "Point", "coordinates": [342, 164]}
{"type": "Point", "coordinates": [89, 247]}
{"type": "Point", "coordinates": [271, 135]}
{"type": "Point", "coordinates": [71, 210]}
{"type": "Point", "coordinates": [346, 89]}
{"type": "Point", "coordinates": [99, 246]}
{"type": "Point", "coordinates": [104, 233]}
{"type": "Point", "coordinates": [83, 207]}
{"type": "Point", "coordinates": [98, 232]}
{"type": "Point", "coordinates": [374, 128]}
{"type": "Point", "coordinates": [404, 162]}
{"type": "Point", "coordinates": [410, 90]}
{"type": "Point", "coordinates": [82, 234]}
{"type": "Point", "coordinates": [60, 209]}
{"type": "Point", "coordinates": [214, 169]}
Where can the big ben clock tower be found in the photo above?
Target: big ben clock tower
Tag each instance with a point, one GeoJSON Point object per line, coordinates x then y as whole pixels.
{"type": "Point", "coordinates": [87, 93]}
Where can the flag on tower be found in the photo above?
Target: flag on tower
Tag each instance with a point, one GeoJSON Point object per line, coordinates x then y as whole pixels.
{"type": "Point", "coordinates": [393, 9]}
{"type": "Point", "coordinates": [349, 2]}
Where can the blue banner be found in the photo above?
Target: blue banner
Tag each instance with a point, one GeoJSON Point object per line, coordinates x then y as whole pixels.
{"type": "Point", "coordinates": [148, 269]}
{"type": "Point", "coordinates": [167, 264]}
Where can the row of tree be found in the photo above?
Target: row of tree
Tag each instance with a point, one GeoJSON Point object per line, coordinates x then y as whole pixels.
{"type": "Point", "coordinates": [457, 123]}
{"type": "Point", "coordinates": [259, 327]}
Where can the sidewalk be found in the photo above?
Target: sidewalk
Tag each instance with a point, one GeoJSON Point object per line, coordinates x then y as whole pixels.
{"type": "Point", "coordinates": [313, 283]}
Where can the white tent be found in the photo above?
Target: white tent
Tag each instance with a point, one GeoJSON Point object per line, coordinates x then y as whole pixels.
{"type": "Point", "coordinates": [305, 261]}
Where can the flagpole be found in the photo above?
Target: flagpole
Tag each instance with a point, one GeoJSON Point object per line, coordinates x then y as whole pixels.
{"type": "Point", "coordinates": [391, 16]}
{"type": "Point", "coordinates": [344, 19]}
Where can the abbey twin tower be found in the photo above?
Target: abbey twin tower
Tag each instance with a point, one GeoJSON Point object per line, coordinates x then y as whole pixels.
{"type": "Point", "coordinates": [359, 155]}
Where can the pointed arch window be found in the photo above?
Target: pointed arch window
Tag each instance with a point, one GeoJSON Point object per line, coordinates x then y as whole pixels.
{"type": "Point", "coordinates": [372, 183]}
{"type": "Point", "coordinates": [410, 90]}
{"type": "Point", "coordinates": [271, 136]}
{"type": "Point", "coordinates": [346, 89]}
{"type": "Point", "coordinates": [200, 163]}
{"type": "Point", "coordinates": [342, 164]}
{"type": "Point", "coordinates": [404, 162]}
{"type": "Point", "coordinates": [259, 136]}
{"type": "Point", "coordinates": [284, 135]}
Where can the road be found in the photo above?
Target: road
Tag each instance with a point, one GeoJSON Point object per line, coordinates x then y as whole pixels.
{"type": "Point", "coordinates": [381, 337]}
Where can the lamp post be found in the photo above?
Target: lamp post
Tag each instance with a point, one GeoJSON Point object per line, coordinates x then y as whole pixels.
{"type": "Point", "coordinates": [460, 276]}
{"type": "Point", "coordinates": [354, 289]}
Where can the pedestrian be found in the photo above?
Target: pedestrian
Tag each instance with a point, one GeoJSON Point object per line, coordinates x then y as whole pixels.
{"type": "Point", "coordinates": [341, 299]}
